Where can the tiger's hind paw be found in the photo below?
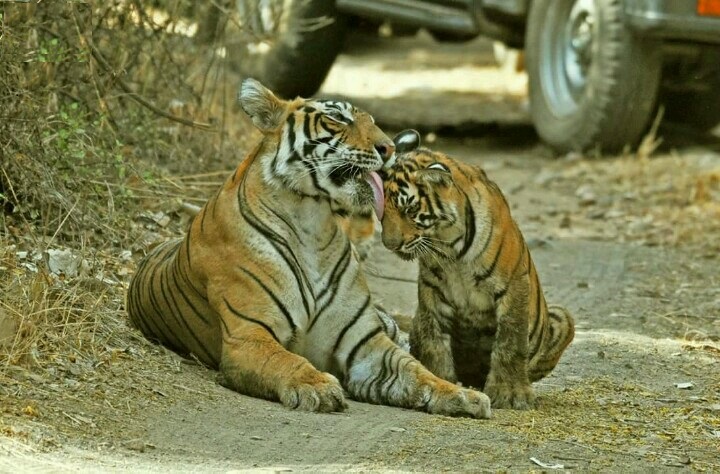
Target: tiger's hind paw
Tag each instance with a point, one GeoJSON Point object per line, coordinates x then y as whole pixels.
{"type": "Point", "coordinates": [460, 402]}
{"type": "Point", "coordinates": [515, 396]}
{"type": "Point", "coordinates": [319, 392]}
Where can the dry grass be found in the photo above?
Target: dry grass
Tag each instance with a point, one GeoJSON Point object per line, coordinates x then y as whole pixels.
{"type": "Point", "coordinates": [98, 164]}
{"type": "Point", "coordinates": [669, 199]}
{"type": "Point", "coordinates": [602, 419]}
{"type": "Point", "coordinates": [650, 142]}
{"type": "Point", "coordinates": [56, 316]}
{"type": "Point", "coordinates": [90, 179]}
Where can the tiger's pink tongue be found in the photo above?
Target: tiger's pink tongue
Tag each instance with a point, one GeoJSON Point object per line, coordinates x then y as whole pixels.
{"type": "Point", "coordinates": [377, 187]}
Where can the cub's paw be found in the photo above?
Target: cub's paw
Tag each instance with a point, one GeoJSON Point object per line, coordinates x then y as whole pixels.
{"type": "Point", "coordinates": [460, 402]}
{"type": "Point", "coordinates": [516, 396]}
{"type": "Point", "coordinates": [318, 391]}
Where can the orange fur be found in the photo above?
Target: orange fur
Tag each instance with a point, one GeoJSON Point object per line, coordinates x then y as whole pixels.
{"type": "Point", "coordinates": [482, 318]}
{"type": "Point", "coordinates": [265, 285]}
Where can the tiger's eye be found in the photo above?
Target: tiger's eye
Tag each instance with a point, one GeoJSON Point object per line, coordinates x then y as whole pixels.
{"type": "Point", "coordinates": [339, 118]}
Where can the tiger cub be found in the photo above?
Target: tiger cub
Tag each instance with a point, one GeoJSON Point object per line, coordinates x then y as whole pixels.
{"type": "Point", "coordinates": [266, 286]}
{"type": "Point", "coordinates": [482, 319]}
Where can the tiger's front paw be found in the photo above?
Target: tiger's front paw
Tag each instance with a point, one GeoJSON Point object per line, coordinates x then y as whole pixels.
{"type": "Point", "coordinates": [508, 395]}
{"type": "Point", "coordinates": [314, 391]}
{"type": "Point", "coordinates": [456, 401]}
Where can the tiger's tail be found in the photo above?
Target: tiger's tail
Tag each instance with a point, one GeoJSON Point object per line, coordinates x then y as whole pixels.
{"type": "Point", "coordinates": [561, 331]}
{"type": "Point", "coordinates": [397, 326]}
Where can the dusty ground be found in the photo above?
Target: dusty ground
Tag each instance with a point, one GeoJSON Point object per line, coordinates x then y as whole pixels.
{"type": "Point", "coordinates": [630, 244]}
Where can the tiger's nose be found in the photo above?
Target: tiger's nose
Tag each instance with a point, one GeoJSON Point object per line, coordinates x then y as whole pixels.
{"type": "Point", "coordinates": [385, 149]}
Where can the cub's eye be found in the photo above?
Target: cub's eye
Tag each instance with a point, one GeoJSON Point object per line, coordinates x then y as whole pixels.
{"type": "Point", "coordinates": [425, 221]}
{"type": "Point", "coordinates": [412, 209]}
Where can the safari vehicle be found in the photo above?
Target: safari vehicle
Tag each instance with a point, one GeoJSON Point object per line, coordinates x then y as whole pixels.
{"type": "Point", "coordinates": [598, 69]}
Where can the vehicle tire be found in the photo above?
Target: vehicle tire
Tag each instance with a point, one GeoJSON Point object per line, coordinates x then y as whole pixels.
{"type": "Point", "coordinates": [592, 82]}
{"type": "Point", "coordinates": [690, 91]}
{"type": "Point", "coordinates": [288, 45]}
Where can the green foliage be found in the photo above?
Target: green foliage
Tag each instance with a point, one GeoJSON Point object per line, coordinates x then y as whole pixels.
{"type": "Point", "coordinates": [51, 52]}
{"type": "Point", "coordinates": [69, 137]}
{"type": "Point", "coordinates": [77, 149]}
{"type": "Point", "coordinates": [77, 156]}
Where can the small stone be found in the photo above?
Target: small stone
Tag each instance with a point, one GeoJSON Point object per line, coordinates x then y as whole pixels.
{"type": "Point", "coordinates": [135, 445]}
{"type": "Point", "coordinates": [63, 262]}
{"type": "Point", "coordinates": [537, 242]}
{"type": "Point", "coordinates": [586, 196]}
{"type": "Point", "coordinates": [516, 189]}
{"type": "Point", "coordinates": [545, 177]}
{"type": "Point", "coordinates": [162, 219]}
{"type": "Point", "coordinates": [565, 222]}
{"type": "Point", "coordinates": [596, 214]}
{"type": "Point", "coordinates": [257, 438]}
{"type": "Point", "coordinates": [396, 429]}
{"type": "Point", "coordinates": [573, 156]}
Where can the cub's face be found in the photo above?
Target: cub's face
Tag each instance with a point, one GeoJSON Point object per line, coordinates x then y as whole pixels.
{"type": "Point", "coordinates": [325, 148]}
{"type": "Point", "coordinates": [422, 216]}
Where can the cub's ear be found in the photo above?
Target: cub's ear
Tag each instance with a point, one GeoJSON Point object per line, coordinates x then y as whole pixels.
{"type": "Point", "coordinates": [407, 140]}
{"type": "Point", "coordinates": [261, 105]}
{"type": "Point", "coordinates": [435, 173]}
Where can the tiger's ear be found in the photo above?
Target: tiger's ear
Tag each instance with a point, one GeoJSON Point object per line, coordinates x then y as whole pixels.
{"type": "Point", "coordinates": [407, 140]}
{"type": "Point", "coordinates": [435, 173]}
{"type": "Point", "coordinates": [261, 105]}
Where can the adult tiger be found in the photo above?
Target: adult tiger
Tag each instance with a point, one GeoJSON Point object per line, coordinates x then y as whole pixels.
{"type": "Point", "coordinates": [482, 318]}
{"type": "Point", "coordinates": [267, 288]}
{"type": "Point", "coordinates": [360, 228]}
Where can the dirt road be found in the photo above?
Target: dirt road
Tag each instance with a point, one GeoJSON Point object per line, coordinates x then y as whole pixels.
{"type": "Point", "coordinates": [628, 244]}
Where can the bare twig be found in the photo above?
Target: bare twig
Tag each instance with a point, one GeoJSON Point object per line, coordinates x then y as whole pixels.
{"type": "Point", "coordinates": [203, 175]}
{"type": "Point", "coordinates": [138, 98]}
{"type": "Point", "coordinates": [63, 222]}
{"type": "Point", "coordinates": [190, 209]}
{"type": "Point", "coordinates": [651, 141]}
{"type": "Point", "coordinates": [191, 390]}
{"type": "Point", "coordinates": [575, 443]}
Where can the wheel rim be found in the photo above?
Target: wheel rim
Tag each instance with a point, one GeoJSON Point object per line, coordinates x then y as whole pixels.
{"type": "Point", "coordinates": [567, 54]}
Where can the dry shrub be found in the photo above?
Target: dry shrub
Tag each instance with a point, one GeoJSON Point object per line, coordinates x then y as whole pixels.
{"type": "Point", "coordinates": [112, 121]}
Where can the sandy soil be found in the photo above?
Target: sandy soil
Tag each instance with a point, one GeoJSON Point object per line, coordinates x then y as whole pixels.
{"type": "Point", "coordinates": [629, 244]}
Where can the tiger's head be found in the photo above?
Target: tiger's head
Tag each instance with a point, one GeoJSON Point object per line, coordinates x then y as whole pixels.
{"type": "Point", "coordinates": [424, 208]}
{"type": "Point", "coordinates": [320, 148]}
